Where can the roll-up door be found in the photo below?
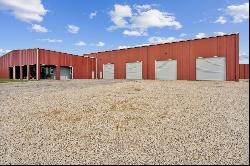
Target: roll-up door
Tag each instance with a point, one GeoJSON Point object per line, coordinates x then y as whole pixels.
{"type": "Point", "coordinates": [166, 70]}
{"type": "Point", "coordinates": [108, 71]}
{"type": "Point", "coordinates": [134, 70]}
{"type": "Point", "coordinates": [213, 68]}
{"type": "Point", "coordinates": [65, 73]}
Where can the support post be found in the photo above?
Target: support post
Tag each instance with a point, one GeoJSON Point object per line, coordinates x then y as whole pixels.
{"type": "Point", "coordinates": [58, 72]}
{"type": "Point", "coordinates": [96, 60]}
{"type": "Point", "coordinates": [14, 72]}
{"type": "Point", "coordinates": [28, 72]}
{"type": "Point", "coordinates": [21, 72]}
{"type": "Point", "coordinates": [38, 73]}
{"type": "Point", "coordinates": [37, 65]}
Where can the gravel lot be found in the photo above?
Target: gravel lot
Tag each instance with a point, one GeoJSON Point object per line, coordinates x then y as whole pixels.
{"type": "Point", "coordinates": [124, 122]}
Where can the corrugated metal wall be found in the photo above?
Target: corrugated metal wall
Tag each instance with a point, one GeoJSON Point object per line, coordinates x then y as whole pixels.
{"type": "Point", "coordinates": [185, 52]}
{"type": "Point", "coordinates": [16, 58]}
{"type": "Point", "coordinates": [82, 67]}
{"type": "Point", "coordinates": [244, 71]}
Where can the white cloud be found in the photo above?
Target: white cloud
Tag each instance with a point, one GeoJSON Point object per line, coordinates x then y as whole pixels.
{"type": "Point", "coordinates": [154, 18]}
{"type": "Point", "coordinates": [219, 33]}
{"type": "Point", "coordinates": [183, 35]}
{"type": "Point", "coordinates": [25, 10]}
{"type": "Point", "coordinates": [51, 40]}
{"type": "Point", "coordinates": [238, 12]}
{"type": "Point", "coordinates": [122, 47]}
{"type": "Point", "coordinates": [200, 35]}
{"type": "Point", "coordinates": [139, 45]}
{"type": "Point", "coordinates": [92, 14]}
{"type": "Point", "coordinates": [39, 28]}
{"type": "Point", "coordinates": [141, 8]}
{"type": "Point", "coordinates": [80, 44]}
{"type": "Point", "coordinates": [3, 51]}
{"type": "Point", "coordinates": [221, 20]}
{"type": "Point", "coordinates": [119, 14]}
{"type": "Point", "coordinates": [134, 33]}
{"type": "Point", "coordinates": [142, 18]}
{"type": "Point", "coordinates": [157, 40]}
{"type": "Point", "coordinates": [100, 44]}
{"type": "Point", "coordinates": [73, 28]}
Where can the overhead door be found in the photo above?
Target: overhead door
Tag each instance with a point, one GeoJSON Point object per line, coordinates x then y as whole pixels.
{"type": "Point", "coordinates": [108, 71]}
{"type": "Point", "coordinates": [211, 68]}
{"type": "Point", "coordinates": [65, 73]}
{"type": "Point", "coordinates": [166, 70]}
{"type": "Point", "coordinates": [134, 70]}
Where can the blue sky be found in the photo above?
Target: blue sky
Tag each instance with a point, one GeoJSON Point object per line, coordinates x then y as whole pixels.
{"type": "Point", "coordinates": [84, 26]}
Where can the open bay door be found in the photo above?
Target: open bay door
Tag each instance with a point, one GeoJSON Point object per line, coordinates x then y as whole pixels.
{"type": "Point", "coordinates": [108, 71]}
{"type": "Point", "coordinates": [213, 68]}
{"type": "Point", "coordinates": [166, 70]}
{"type": "Point", "coordinates": [134, 70]}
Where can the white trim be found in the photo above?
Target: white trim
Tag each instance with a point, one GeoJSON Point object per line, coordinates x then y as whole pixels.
{"type": "Point", "coordinates": [155, 69]}
{"type": "Point", "coordinates": [37, 61]}
{"type": "Point", "coordinates": [93, 74]}
{"type": "Point", "coordinates": [14, 72]}
{"type": "Point", "coordinates": [96, 68]}
{"type": "Point", "coordinates": [101, 75]}
{"type": "Point", "coordinates": [72, 74]}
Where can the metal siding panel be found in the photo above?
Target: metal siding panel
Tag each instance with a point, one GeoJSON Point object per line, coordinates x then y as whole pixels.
{"type": "Point", "coordinates": [15, 58]}
{"type": "Point", "coordinates": [184, 52]}
{"type": "Point", "coordinates": [192, 62]}
{"type": "Point", "coordinates": [242, 71]}
{"type": "Point", "coordinates": [230, 58]}
{"type": "Point", "coordinates": [246, 71]}
{"type": "Point", "coordinates": [236, 72]}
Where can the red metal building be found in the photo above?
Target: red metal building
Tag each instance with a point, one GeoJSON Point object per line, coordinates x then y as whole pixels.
{"type": "Point", "coordinates": [187, 54]}
{"type": "Point", "coordinates": [45, 64]}
{"type": "Point", "coordinates": [244, 71]}
{"type": "Point", "coordinates": [211, 58]}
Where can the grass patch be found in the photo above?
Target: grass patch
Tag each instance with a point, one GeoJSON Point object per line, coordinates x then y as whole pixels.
{"type": "Point", "coordinates": [8, 80]}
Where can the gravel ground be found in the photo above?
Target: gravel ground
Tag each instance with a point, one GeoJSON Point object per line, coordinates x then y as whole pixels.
{"type": "Point", "coordinates": [124, 122]}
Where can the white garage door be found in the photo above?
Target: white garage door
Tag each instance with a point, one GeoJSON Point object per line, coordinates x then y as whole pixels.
{"type": "Point", "coordinates": [166, 70]}
{"type": "Point", "coordinates": [108, 71]}
{"type": "Point", "coordinates": [211, 68]}
{"type": "Point", "coordinates": [134, 70]}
